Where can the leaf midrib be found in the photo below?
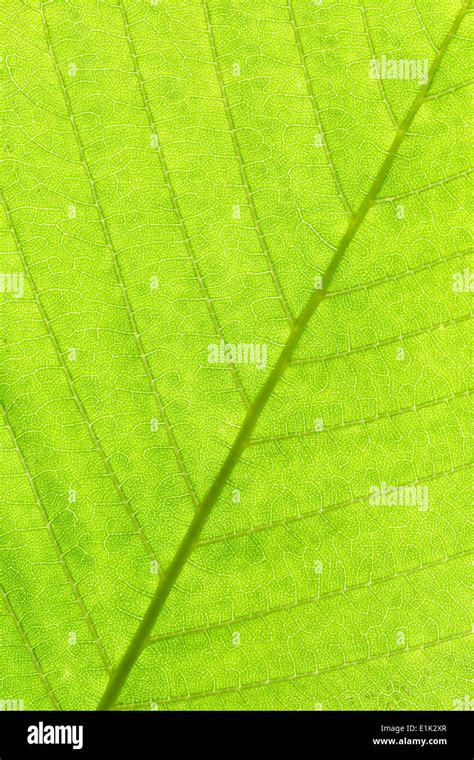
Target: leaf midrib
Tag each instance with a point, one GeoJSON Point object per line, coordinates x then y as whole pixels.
{"type": "Point", "coordinates": [204, 508]}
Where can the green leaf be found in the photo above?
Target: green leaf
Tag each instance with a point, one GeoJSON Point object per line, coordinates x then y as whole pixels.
{"type": "Point", "coordinates": [235, 368]}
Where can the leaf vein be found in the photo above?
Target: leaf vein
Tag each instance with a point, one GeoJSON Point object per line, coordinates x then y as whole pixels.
{"type": "Point", "coordinates": [297, 604]}
{"type": "Point", "coordinates": [298, 676]}
{"type": "Point", "coordinates": [242, 169]}
{"type": "Point", "coordinates": [55, 544]}
{"type": "Point", "coordinates": [117, 270]}
{"type": "Point", "coordinates": [19, 627]}
{"type": "Point", "coordinates": [223, 538]}
{"type": "Point", "coordinates": [70, 382]}
{"type": "Point", "coordinates": [415, 407]}
{"type": "Point", "coordinates": [174, 201]}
